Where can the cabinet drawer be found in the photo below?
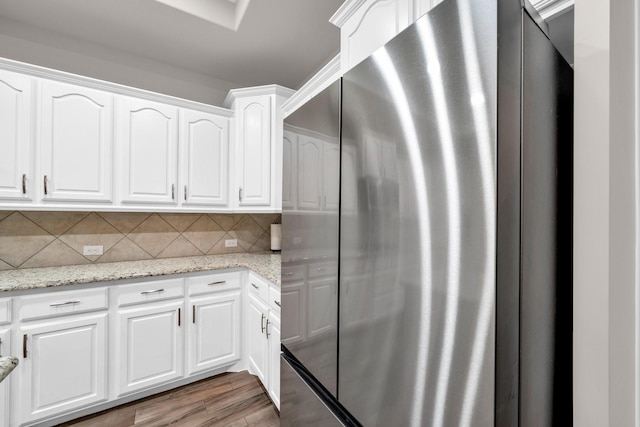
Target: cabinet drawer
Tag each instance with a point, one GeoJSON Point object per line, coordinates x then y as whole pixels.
{"type": "Point", "coordinates": [5, 311]}
{"type": "Point", "coordinates": [274, 298]}
{"type": "Point", "coordinates": [323, 269]}
{"type": "Point", "coordinates": [62, 303]}
{"type": "Point", "coordinates": [213, 283]}
{"type": "Point", "coordinates": [155, 290]}
{"type": "Point", "coordinates": [259, 287]}
{"type": "Point", "coordinates": [293, 274]}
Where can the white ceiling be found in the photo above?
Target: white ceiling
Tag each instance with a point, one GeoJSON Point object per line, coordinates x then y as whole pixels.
{"type": "Point", "coordinates": [277, 41]}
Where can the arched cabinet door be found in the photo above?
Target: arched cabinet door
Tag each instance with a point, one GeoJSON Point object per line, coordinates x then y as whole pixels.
{"type": "Point", "coordinates": [76, 134]}
{"type": "Point", "coordinates": [16, 141]}
{"type": "Point", "coordinates": [205, 159]}
{"type": "Point", "coordinates": [253, 151]}
{"type": "Point", "coordinates": [148, 143]}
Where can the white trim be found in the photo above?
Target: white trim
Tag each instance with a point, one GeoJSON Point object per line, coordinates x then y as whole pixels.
{"type": "Point", "coordinates": [323, 78]}
{"type": "Point", "coordinates": [257, 91]}
{"type": "Point", "coordinates": [345, 12]}
{"type": "Point", "coordinates": [62, 76]}
{"type": "Point", "coordinates": [310, 133]}
{"type": "Point", "coordinates": [549, 9]}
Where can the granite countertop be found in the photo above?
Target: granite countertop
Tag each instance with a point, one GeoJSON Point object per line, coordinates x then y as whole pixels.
{"type": "Point", "coordinates": [6, 366]}
{"type": "Point", "coordinates": [266, 265]}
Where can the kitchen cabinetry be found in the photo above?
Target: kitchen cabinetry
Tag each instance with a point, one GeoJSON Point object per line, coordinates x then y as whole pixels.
{"type": "Point", "coordinates": [149, 324]}
{"type": "Point", "coordinates": [205, 159]}
{"type": "Point", "coordinates": [64, 345]}
{"type": "Point", "coordinates": [310, 173]}
{"type": "Point", "coordinates": [5, 350]}
{"type": "Point", "coordinates": [263, 330]}
{"type": "Point", "coordinates": [148, 151]}
{"type": "Point", "coordinates": [16, 141]}
{"type": "Point", "coordinates": [294, 297]}
{"type": "Point", "coordinates": [289, 170]}
{"type": "Point", "coordinates": [76, 133]}
{"type": "Point", "coordinates": [213, 338]}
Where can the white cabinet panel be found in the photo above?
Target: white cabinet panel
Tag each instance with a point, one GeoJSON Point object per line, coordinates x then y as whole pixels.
{"type": "Point", "coordinates": [63, 366]}
{"type": "Point", "coordinates": [149, 351]}
{"type": "Point", "coordinates": [289, 170]}
{"type": "Point", "coordinates": [254, 148]}
{"type": "Point", "coordinates": [5, 401]}
{"type": "Point", "coordinates": [76, 133]}
{"type": "Point", "coordinates": [331, 174]}
{"type": "Point", "coordinates": [214, 332]}
{"type": "Point", "coordinates": [147, 137]}
{"type": "Point", "coordinates": [205, 158]}
{"type": "Point", "coordinates": [309, 173]}
{"type": "Point", "coordinates": [322, 294]}
{"type": "Point", "coordinates": [272, 333]}
{"type": "Point", "coordinates": [15, 137]}
{"type": "Point", "coordinates": [258, 348]}
{"type": "Point", "coordinates": [422, 6]}
{"type": "Point", "coordinates": [294, 298]}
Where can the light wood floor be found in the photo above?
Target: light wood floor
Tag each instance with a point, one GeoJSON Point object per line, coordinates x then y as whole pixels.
{"type": "Point", "coordinates": [227, 400]}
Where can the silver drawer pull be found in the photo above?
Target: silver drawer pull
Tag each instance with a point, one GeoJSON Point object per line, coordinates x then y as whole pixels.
{"type": "Point", "coordinates": [277, 303]}
{"type": "Point", "coordinates": [322, 268]}
{"type": "Point", "coordinates": [60, 304]}
{"type": "Point", "coordinates": [155, 291]}
{"type": "Point", "coordinates": [288, 274]}
{"type": "Point", "coordinates": [221, 282]}
{"type": "Point", "coordinates": [255, 286]}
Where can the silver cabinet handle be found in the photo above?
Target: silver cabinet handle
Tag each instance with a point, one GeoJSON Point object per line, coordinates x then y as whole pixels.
{"type": "Point", "coordinates": [24, 183]}
{"type": "Point", "coordinates": [240, 194]}
{"type": "Point", "coordinates": [267, 329]}
{"type": "Point", "coordinates": [60, 304]}
{"type": "Point", "coordinates": [194, 314]}
{"type": "Point", "coordinates": [221, 282]}
{"type": "Point", "coordinates": [277, 303]}
{"type": "Point", "coordinates": [155, 291]}
{"type": "Point", "coordinates": [24, 346]}
{"type": "Point", "coordinates": [185, 193]}
{"type": "Point", "coordinates": [173, 191]}
{"type": "Point", "coordinates": [321, 268]}
{"type": "Point", "coordinates": [262, 323]}
{"type": "Point", "coordinates": [45, 185]}
{"type": "Point", "coordinates": [179, 317]}
{"type": "Point", "coordinates": [288, 274]}
{"type": "Point", "coordinates": [255, 286]}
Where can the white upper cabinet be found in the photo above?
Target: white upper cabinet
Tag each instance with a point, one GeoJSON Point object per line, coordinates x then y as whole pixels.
{"type": "Point", "coordinates": [289, 170]}
{"type": "Point", "coordinates": [309, 173]}
{"type": "Point", "coordinates": [366, 25]}
{"type": "Point", "coordinates": [253, 150]}
{"type": "Point", "coordinates": [15, 136]}
{"type": "Point", "coordinates": [148, 143]}
{"type": "Point", "coordinates": [76, 131]}
{"type": "Point", "coordinates": [205, 159]}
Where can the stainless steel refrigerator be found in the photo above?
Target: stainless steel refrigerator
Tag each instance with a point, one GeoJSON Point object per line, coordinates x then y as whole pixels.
{"type": "Point", "coordinates": [427, 231]}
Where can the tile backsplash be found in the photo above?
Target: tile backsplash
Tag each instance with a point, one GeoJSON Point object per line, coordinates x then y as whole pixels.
{"type": "Point", "coordinates": [44, 239]}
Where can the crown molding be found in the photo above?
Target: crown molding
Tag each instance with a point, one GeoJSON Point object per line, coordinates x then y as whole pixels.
{"type": "Point", "coordinates": [74, 79]}
{"type": "Point", "coordinates": [323, 78]}
{"type": "Point", "coordinates": [549, 9]}
{"type": "Point", "coordinates": [257, 91]}
{"type": "Point", "coordinates": [345, 12]}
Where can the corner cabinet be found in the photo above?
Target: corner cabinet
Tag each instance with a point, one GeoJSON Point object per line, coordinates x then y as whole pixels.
{"type": "Point", "coordinates": [5, 350]}
{"type": "Point", "coordinates": [258, 147]}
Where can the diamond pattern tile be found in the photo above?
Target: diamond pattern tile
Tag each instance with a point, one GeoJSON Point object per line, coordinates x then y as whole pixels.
{"type": "Point", "coordinates": [57, 253]}
{"type": "Point", "coordinates": [180, 221]}
{"type": "Point", "coordinates": [247, 231]}
{"type": "Point", "coordinates": [125, 222]}
{"type": "Point", "coordinates": [20, 239]}
{"type": "Point", "coordinates": [56, 223]}
{"type": "Point", "coordinates": [204, 233]}
{"type": "Point", "coordinates": [92, 231]}
{"type": "Point", "coordinates": [179, 248]}
{"type": "Point", "coordinates": [226, 221]}
{"type": "Point", "coordinates": [124, 250]}
{"type": "Point", "coordinates": [265, 220]}
{"type": "Point", "coordinates": [154, 235]}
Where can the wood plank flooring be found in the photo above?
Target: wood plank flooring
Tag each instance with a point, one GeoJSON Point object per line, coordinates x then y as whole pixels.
{"type": "Point", "coordinates": [227, 400]}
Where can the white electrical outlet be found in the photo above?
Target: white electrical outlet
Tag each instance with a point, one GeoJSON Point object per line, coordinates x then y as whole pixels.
{"type": "Point", "coordinates": [93, 250]}
{"type": "Point", "coordinates": [231, 243]}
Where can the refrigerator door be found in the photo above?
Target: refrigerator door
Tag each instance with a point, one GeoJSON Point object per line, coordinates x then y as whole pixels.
{"type": "Point", "coordinates": [417, 256]}
{"type": "Point", "coordinates": [311, 176]}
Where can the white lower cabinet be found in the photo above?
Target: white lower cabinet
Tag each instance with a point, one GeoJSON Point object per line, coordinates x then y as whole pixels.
{"type": "Point", "coordinates": [63, 365]}
{"type": "Point", "coordinates": [258, 349]}
{"type": "Point", "coordinates": [149, 345]}
{"type": "Point", "coordinates": [273, 342]}
{"type": "Point", "coordinates": [214, 332]}
{"type": "Point", "coordinates": [5, 350]}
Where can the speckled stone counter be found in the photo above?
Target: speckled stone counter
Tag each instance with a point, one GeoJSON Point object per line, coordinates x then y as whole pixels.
{"type": "Point", "coordinates": [266, 265]}
{"type": "Point", "coordinates": [6, 366]}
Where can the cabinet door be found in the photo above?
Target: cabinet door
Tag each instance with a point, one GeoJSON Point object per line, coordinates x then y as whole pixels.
{"type": "Point", "coordinates": [289, 170]}
{"type": "Point", "coordinates": [331, 174]}
{"type": "Point", "coordinates": [147, 136]}
{"type": "Point", "coordinates": [5, 350]}
{"type": "Point", "coordinates": [322, 303]}
{"type": "Point", "coordinates": [63, 366]}
{"type": "Point", "coordinates": [254, 150]}
{"type": "Point", "coordinates": [309, 173]}
{"type": "Point", "coordinates": [258, 351]}
{"type": "Point", "coordinates": [76, 131]}
{"type": "Point", "coordinates": [150, 343]}
{"type": "Point", "coordinates": [205, 159]}
{"type": "Point", "coordinates": [15, 136]}
{"type": "Point", "coordinates": [294, 302]}
{"type": "Point", "coordinates": [273, 338]}
{"type": "Point", "coordinates": [214, 332]}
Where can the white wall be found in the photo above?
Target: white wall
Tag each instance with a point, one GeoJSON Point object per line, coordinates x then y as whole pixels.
{"type": "Point", "coordinates": [41, 47]}
{"type": "Point", "coordinates": [604, 219]}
